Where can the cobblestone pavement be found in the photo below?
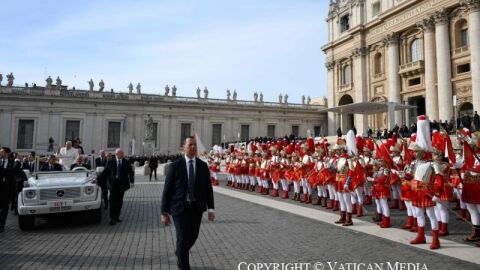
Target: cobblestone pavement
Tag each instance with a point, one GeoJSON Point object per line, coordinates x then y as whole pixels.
{"type": "Point", "coordinates": [243, 232]}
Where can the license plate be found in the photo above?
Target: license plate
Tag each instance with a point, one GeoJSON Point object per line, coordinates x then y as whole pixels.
{"type": "Point", "coordinates": [60, 204]}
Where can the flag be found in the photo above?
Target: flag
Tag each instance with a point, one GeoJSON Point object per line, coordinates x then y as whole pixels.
{"type": "Point", "coordinates": [382, 153]}
{"type": "Point", "coordinates": [200, 147]}
{"type": "Point", "coordinates": [449, 150]}
{"type": "Point", "coordinates": [407, 157]}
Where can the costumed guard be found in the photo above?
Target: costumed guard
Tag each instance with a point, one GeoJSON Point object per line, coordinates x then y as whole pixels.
{"type": "Point", "coordinates": [395, 183]}
{"type": "Point", "coordinates": [357, 186]}
{"type": "Point", "coordinates": [215, 161]}
{"type": "Point", "coordinates": [423, 185]}
{"type": "Point", "coordinates": [381, 192]}
{"type": "Point", "coordinates": [275, 171]}
{"type": "Point", "coordinates": [369, 160]}
{"type": "Point", "coordinates": [471, 187]}
{"type": "Point", "coordinates": [345, 169]}
{"type": "Point", "coordinates": [307, 163]}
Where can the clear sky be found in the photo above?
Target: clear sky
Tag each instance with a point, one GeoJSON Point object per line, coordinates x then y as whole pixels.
{"type": "Point", "coordinates": [271, 46]}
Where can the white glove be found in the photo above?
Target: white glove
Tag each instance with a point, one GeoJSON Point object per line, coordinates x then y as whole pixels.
{"type": "Point", "coordinates": [345, 187]}
{"type": "Point", "coordinates": [435, 199]}
{"type": "Point", "coordinates": [458, 165]}
{"type": "Point", "coordinates": [369, 178]}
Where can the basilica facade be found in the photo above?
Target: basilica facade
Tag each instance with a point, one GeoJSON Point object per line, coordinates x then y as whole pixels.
{"type": "Point", "coordinates": [416, 52]}
{"type": "Point", "coordinates": [30, 116]}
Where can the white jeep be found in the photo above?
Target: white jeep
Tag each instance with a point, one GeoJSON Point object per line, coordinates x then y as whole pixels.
{"type": "Point", "coordinates": [59, 192]}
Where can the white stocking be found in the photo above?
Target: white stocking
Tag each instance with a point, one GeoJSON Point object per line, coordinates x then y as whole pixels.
{"type": "Point", "coordinates": [474, 210]}
{"type": "Point", "coordinates": [341, 200]}
{"type": "Point", "coordinates": [385, 208]}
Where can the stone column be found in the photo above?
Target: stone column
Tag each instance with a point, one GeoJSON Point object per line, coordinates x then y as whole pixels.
{"type": "Point", "coordinates": [360, 85]}
{"type": "Point", "coordinates": [444, 69]}
{"type": "Point", "coordinates": [431, 94]}
{"type": "Point", "coordinates": [473, 7]}
{"type": "Point", "coordinates": [331, 97]}
{"type": "Point", "coordinates": [407, 114]}
{"type": "Point", "coordinates": [391, 41]}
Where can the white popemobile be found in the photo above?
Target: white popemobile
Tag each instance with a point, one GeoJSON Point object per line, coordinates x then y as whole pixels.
{"type": "Point", "coordinates": [59, 192]}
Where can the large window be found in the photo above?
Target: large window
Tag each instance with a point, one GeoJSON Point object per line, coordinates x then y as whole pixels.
{"type": "Point", "coordinates": [25, 134]}
{"type": "Point", "coordinates": [72, 129]}
{"type": "Point", "coordinates": [346, 79]}
{"type": "Point", "coordinates": [464, 37]}
{"type": "Point", "coordinates": [245, 132]}
{"type": "Point", "coordinates": [185, 131]}
{"type": "Point", "coordinates": [377, 68]}
{"type": "Point", "coordinates": [295, 130]}
{"type": "Point", "coordinates": [415, 53]}
{"type": "Point", "coordinates": [113, 137]}
{"type": "Point", "coordinates": [271, 130]}
{"type": "Point", "coordinates": [376, 8]}
{"type": "Point", "coordinates": [344, 23]}
{"type": "Point", "coordinates": [316, 131]}
{"type": "Point", "coordinates": [216, 134]}
{"type": "Point", "coordinates": [461, 33]}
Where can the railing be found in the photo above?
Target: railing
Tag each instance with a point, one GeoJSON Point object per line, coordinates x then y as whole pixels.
{"type": "Point", "coordinates": [412, 65]}
{"type": "Point", "coordinates": [461, 50]}
{"type": "Point", "coordinates": [42, 91]}
{"type": "Point", "coordinates": [346, 86]}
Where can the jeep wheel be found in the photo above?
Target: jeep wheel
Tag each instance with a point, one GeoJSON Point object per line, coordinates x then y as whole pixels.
{"type": "Point", "coordinates": [26, 222]}
{"type": "Point", "coordinates": [95, 216]}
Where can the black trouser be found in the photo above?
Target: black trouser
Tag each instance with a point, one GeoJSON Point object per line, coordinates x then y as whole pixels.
{"type": "Point", "coordinates": [3, 211]}
{"type": "Point", "coordinates": [151, 172]}
{"type": "Point", "coordinates": [116, 202]}
{"type": "Point", "coordinates": [104, 194]}
{"type": "Point", "coordinates": [187, 227]}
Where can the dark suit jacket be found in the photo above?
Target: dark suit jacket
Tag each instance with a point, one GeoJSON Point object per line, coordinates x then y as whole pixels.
{"type": "Point", "coordinates": [7, 181]}
{"type": "Point", "coordinates": [153, 162]}
{"type": "Point", "coordinates": [124, 178]}
{"type": "Point", "coordinates": [46, 167]}
{"type": "Point", "coordinates": [175, 191]}
{"type": "Point", "coordinates": [100, 163]}
{"type": "Point", "coordinates": [27, 166]}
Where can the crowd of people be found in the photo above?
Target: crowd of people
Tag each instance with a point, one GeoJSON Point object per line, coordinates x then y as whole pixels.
{"type": "Point", "coordinates": [412, 174]}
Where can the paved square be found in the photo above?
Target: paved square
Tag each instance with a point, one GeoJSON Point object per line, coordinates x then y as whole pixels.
{"type": "Point", "coordinates": [243, 232]}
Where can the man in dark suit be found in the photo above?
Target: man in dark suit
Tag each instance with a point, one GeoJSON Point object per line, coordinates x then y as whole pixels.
{"type": "Point", "coordinates": [7, 184]}
{"type": "Point", "coordinates": [187, 194]}
{"type": "Point", "coordinates": [101, 161]}
{"type": "Point", "coordinates": [51, 165]}
{"type": "Point", "coordinates": [153, 164]}
{"type": "Point", "coordinates": [119, 176]}
{"type": "Point", "coordinates": [29, 163]}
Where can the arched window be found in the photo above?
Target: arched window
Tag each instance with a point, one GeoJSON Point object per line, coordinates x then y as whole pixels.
{"type": "Point", "coordinates": [415, 54]}
{"type": "Point", "coordinates": [377, 64]}
{"type": "Point", "coordinates": [346, 75]}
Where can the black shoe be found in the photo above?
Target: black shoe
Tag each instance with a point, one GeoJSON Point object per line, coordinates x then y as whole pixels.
{"type": "Point", "coordinates": [112, 222]}
{"type": "Point", "coordinates": [106, 206]}
{"type": "Point", "coordinates": [118, 220]}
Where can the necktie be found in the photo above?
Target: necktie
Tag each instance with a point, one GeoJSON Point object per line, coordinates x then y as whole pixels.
{"type": "Point", "coordinates": [191, 181]}
{"type": "Point", "coordinates": [119, 164]}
